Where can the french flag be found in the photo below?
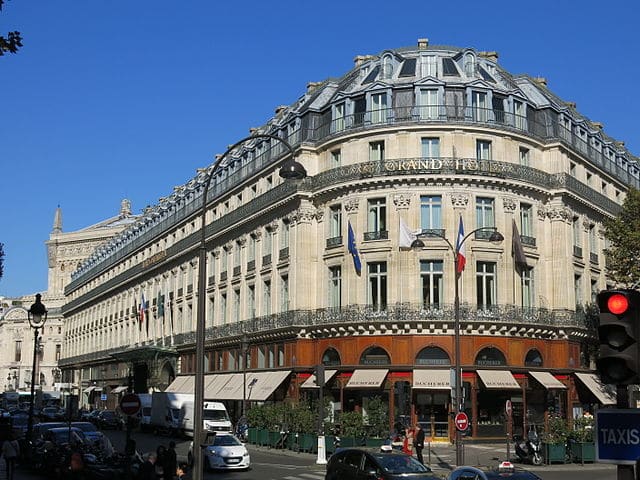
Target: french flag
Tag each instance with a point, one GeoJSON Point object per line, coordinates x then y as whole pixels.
{"type": "Point", "coordinates": [461, 259]}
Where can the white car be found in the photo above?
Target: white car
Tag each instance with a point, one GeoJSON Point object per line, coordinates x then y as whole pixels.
{"type": "Point", "coordinates": [224, 452]}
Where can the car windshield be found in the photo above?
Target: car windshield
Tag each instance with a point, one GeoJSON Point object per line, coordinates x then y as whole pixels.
{"type": "Point", "coordinates": [215, 415]}
{"type": "Point", "coordinates": [400, 464]}
{"type": "Point", "coordinates": [226, 441]}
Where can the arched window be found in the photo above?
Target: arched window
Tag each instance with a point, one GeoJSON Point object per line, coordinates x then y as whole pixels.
{"type": "Point", "coordinates": [533, 358]}
{"type": "Point", "coordinates": [331, 357]}
{"type": "Point", "coordinates": [469, 64]}
{"type": "Point", "coordinates": [433, 356]}
{"type": "Point", "coordinates": [491, 357]}
{"type": "Point", "coordinates": [375, 356]}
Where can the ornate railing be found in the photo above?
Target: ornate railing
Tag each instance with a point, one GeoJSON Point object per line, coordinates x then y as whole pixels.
{"type": "Point", "coordinates": [334, 242]}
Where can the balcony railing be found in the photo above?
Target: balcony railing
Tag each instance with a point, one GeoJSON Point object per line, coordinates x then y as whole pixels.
{"type": "Point", "coordinates": [528, 241]}
{"type": "Point", "coordinates": [251, 265]}
{"type": "Point", "coordinates": [379, 235]}
{"type": "Point", "coordinates": [283, 254]}
{"type": "Point", "coordinates": [334, 242]}
{"type": "Point", "coordinates": [593, 258]}
{"type": "Point", "coordinates": [577, 251]}
{"type": "Point", "coordinates": [266, 260]}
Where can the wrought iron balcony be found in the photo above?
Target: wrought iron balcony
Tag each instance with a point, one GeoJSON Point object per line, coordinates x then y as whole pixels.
{"type": "Point", "coordinates": [251, 265]}
{"type": "Point", "coordinates": [283, 254]}
{"type": "Point", "coordinates": [236, 271]}
{"type": "Point", "coordinates": [379, 235]}
{"type": "Point", "coordinates": [528, 241]}
{"type": "Point", "coordinates": [334, 242]}
{"type": "Point", "coordinates": [593, 258]}
{"type": "Point", "coordinates": [577, 251]}
{"type": "Point", "coordinates": [266, 260]}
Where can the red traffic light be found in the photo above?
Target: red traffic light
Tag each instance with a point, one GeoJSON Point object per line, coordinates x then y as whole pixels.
{"type": "Point", "coordinates": [617, 303]}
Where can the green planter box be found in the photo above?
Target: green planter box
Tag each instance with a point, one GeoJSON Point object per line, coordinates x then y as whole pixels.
{"type": "Point", "coordinates": [253, 435]}
{"type": "Point", "coordinates": [263, 437]}
{"type": "Point", "coordinates": [348, 442]}
{"type": "Point", "coordinates": [308, 442]}
{"type": "Point", "coordinates": [274, 438]}
{"type": "Point", "coordinates": [554, 453]}
{"type": "Point", "coordinates": [329, 443]}
{"type": "Point", "coordinates": [374, 442]}
{"type": "Point", "coordinates": [582, 452]}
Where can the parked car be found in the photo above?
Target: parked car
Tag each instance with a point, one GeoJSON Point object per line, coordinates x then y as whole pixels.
{"type": "Point", "coordinates": [505, 470]}
{"type": "Point", "coordinates": [357, 463]}
{"type": "Point", "coordinates": [40, 428]}
{"type": "Point", "coordinates": [224, 451]}
{"type": "Point", "coordinates": [109, 419]}
{"type": "Point", "coordinates": [20, 423]}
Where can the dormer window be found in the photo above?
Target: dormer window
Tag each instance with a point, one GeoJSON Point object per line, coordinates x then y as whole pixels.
{"type": "Point", "coordinates": [378, 108]}
{"type": "Point", "coordinates": [429, 66]}
{"type": "Point", "coordinates": [387, 67]}
{"type": "Point", "coordinates": [469, 64]}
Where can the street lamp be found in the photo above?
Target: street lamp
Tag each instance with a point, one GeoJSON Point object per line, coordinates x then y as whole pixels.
{"type": "Point", "coordinates": [37, 315]}
{"type": "Point", "coordinates": [495, 237]}
{"type": "Point", "coordinates": [289, 170]}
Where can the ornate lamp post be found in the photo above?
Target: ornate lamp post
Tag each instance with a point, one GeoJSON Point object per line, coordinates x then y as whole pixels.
{"type": "Point", "coordinates": [37, 316]}
{"type": "Point", "coordinates": [495, 237]}
{"type": "Point", "coordinates": [289, 170]}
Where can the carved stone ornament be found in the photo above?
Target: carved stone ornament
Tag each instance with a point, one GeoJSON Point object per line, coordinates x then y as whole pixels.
{"type": "Point", "coordinates": [586, 224]}
{"type": "Point", "coordinates": [402, 201]}
{"type": "Point", "coordinates": [242, 240]}
{"type": "Point", "coordinates": [257, 234]}
{"type": "Point", "coordinates": [216, 253]}
{"type": "Point", "coordinates": [562, 214]}
{"type": "Point", "coordinates": [509, 204]}
{"type": "Point", "coordinates": [542, 211]}
{"type": "Point", "coordinates": [272, 226]}
{"type": "Point", "coordinates": [319, 214]}
{"type": "Point", "coordinates": [351, 205]}
{"type": "Point", "coordinates": [459, 200]}
{"type": "Point", "coordinates": [305, 214]}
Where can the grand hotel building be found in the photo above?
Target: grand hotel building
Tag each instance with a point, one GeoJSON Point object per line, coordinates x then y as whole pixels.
{"type": "Point", "coordinates": [426, 135]}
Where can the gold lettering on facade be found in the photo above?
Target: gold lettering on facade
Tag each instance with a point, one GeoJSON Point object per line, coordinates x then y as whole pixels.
{"type": "Point", "coordinates": [154, 259]}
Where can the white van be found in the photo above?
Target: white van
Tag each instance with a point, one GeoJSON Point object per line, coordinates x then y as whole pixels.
{"type": "Point", "coordinates": [216, 418]}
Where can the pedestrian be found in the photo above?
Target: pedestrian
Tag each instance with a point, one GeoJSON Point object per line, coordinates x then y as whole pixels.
{"type": "Point", "coordinates": [148, 468]}
{"type": "Point", "coordinates": [418, 442]}
{"type": "Point", "coordinates": [170, 463]}
{"type": "Point", "coordinates": [161, 453]}
{"type": "Point", "coordinates": [407, 444]}
{"type": "Point", "coordinates": [10, 452]}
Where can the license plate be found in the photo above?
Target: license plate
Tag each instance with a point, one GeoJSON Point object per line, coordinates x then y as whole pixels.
{"type": "Point", "coordinates": [233, 460]}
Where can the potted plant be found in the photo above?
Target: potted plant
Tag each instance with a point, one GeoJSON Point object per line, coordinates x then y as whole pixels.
{"type": "Point", "coordinates": [554, 440]}
{"type": "Point", "coordinates": [581, 444]}
{"type": "Point", "coordinates": [256, 416]}
{"type": "Point", "coordinates": [304, 425]}
{"type": "Point", "coordinates": [351, 429]}
{"type": "Point", "coordinates": [377, 420]}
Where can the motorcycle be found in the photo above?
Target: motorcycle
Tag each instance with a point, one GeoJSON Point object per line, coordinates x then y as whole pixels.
{"type": "Point", "coordinates": [529, 450]}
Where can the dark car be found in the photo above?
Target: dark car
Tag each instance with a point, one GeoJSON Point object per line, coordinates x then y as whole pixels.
{"type": "Point", "coordinates": [109, 419]}
{"type": "Point", "coordinates": [505, 470]}
{"type": "Point", "coordinates": [356, 463]}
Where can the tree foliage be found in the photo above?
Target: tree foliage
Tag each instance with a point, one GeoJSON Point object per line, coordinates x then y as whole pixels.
{"type": "Point", "coordinates": [623, 233]}
{"type": "Point", "coordinates": [12, 42]}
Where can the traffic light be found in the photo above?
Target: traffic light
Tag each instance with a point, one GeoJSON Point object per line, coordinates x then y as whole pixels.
{"type": "Point", "coordinates": [319, 371]}
{"type": "Point", "coordinates": [619, 335]}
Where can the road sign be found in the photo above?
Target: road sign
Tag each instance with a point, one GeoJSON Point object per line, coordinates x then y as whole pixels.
{"type": "Point", "coordinates": [462, 421]}
{"type": "Point", "coordinates": [618, 438]}
{"type": "Point", "coordinates": [508, 408]}
{"type": "Point", "coordinates": [130, 404]}
{"type": "Point", "coordinates": [103, 397]}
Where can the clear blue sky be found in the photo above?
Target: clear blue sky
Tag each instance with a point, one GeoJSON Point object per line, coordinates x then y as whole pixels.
{"type": "Point", "coordinates": [126, 98]}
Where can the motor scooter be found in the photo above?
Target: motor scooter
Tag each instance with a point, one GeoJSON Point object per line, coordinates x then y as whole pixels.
{"type": "Point", "coordinates": [529, 450]}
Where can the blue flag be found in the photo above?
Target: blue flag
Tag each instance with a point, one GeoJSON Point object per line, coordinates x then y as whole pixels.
{"type": "Point", "coordinates": [354, 251]}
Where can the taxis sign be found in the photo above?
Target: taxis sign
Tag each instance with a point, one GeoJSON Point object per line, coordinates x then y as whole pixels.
{"type": "Point", "coordinates": [618, 438]}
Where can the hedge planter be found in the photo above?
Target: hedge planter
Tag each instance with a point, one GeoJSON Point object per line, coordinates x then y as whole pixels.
{"type": "Point", "coordinates": [374, 442]}
{"type": "Point", "coordinates": [274, 438]}
{"type": "Point", "coordinates": [253, 435]}
{"type": "Point", "coordinates": [263, 436]}
{"type": "Point", "coordinates": [308, 442]}
{"type": "Point", "coordinates": [582, 452]}
{"type": "Point", "coordinates": [349, 442]}
{"type": "Point", "coordinates": [554, 453]}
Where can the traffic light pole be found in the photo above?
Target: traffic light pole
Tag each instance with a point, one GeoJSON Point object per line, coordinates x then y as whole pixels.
{"type": "Point", "coordinates": [625, 472]}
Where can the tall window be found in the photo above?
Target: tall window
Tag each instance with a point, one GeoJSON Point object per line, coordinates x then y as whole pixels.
{"type": "Point", "coordinates": [267, 244]}
{"type": "Point", "coordinates": [376, 215]}
{"type": "Point", "coordinates": [17, 356]}
{"type": "Point", "coordinates": [576, 232]}
{"type": "Point", "coordinates": [593, 241]}
{"type": "Point", "coordinates": [251, 301]}
{"type": "Point", "coordinates": [377, 294]}
{"type": "Point", "coordinates": [58, 352]}
{"type": "Point", "coordinates": [469, 65]}
{"type": "Point", "coordinates": [484, 212]}
{"type": "Point", "coordinates": [335, 286]}
{"type": "Point", "coordinates": [479, 106]}
{"type": "Point", "coordinates": [379, 108]}
{"type": "Point", "coordinates": [430, 147]}
{"type": "Point", "coordinates": [251, 251]}
{"type": "Point", "coordinates": [486, 284]}
{"type": "Point", "coordinates": [284, 235]}
{"type": "Point", "coordinates": [338, 117]}
{"type": "Point", "coordinates": [577, 286]}
{"type": "Point", "coordinates": [428, 102]}
{"type": "Point", "coordinates": [336, 158]}
{"type": "Point", "coordinates": [520, 115]}
{"type": "Point", "coordinates": [236, 305]}
{"type": "Point", "coordinates": [223, 308]}
{"type": "Point", "coordinates": [266, 298]}
{"type": "Point", "coordinates": [528, 292]}
{"type": "Point", "coordinates": [429, 66]}
{"type": "Point", "coordinates": [376, 151]}
{"type": "Point", "coordinates": [526, 220]}
{"type": "Point", "coordinates": [483, 149]}
{"type": "Point", "coordinates": [284, 293]}
{"type": "Point", "coordinates": [335, 221]}
{"type": "Point", "coordinates": [430, 212]}
{"type": "Point", "coordinates": [523, 154]}
{"type": "Point", "coordinates": [431, 276]}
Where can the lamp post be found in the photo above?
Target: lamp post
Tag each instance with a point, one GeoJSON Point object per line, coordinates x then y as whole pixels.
{"type": "Point", "coordinates": [289, 170]}
{"type": "Point", "coordinates": [37, 315]}
{"type": "Point", "coordinates": [496, 236]}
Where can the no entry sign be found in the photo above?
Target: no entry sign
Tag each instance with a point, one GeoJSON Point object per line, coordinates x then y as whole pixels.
{"type": "Point", "coordinates": [462, 421]}
{"type": "Point", "coordinates": [130, 404]}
